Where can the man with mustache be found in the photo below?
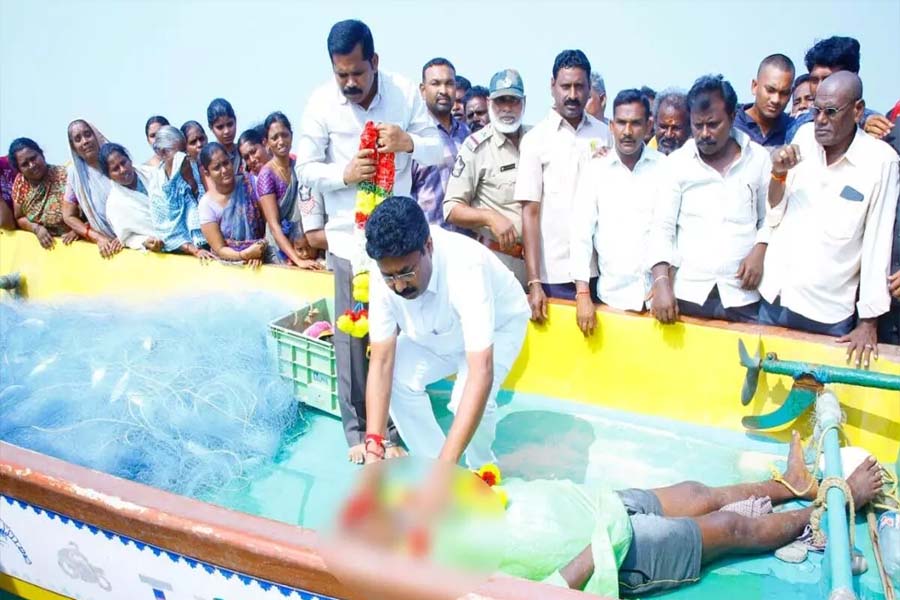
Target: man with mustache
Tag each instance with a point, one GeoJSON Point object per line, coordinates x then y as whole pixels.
{"type": "Point", "coordinates": [670, 122]}
{"type": "Point", "coordinates": [463, 85]}
{"type": "Point", "coordinates": [330, 162]}
{"type": "Point", "coordinates": [440, 304]}
{"type": "Point", "coordinates": [708, 237]}
{"type": "Point", "coordinates": [429, 182]}
{"type": "Point", "coordinates": [475, 107]}
{"type": "Point", "coordinates": [613, 209]}
{"type": "Point", "coordinates": [550, 158]}
{"type": "Point", "coordinates": [832, 198]}
{"type": "Point", "coordinates": [801, 97]}
{"type": "Point", "coordinates": [764, 120]}
{"type": "Point", "coordinates": [480, 192]}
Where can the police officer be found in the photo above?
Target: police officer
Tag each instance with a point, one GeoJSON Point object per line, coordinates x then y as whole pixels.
{"type": "Point", "coordinates": [479, 194]}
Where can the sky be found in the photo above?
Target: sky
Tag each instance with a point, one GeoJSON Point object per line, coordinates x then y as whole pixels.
{"type": "Point", "coordinates": [115, 63]}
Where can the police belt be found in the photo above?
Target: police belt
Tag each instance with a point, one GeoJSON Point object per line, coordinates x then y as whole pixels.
{"type": "Point", "coordinates": [517, 250]}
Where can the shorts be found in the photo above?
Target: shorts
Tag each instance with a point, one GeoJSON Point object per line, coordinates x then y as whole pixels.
{"type": "Point", "coordinates": [665, 552]}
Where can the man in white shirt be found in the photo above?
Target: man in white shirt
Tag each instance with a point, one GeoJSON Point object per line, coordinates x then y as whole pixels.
{"type": "Point", "coordinates": [832, 200]}
{"type": "Point", "coordinates": [550, 157]}
{"type": "Point", "coordinates": [613, 210]}
{"type": "Point", "coordinates": [330, 163]}
{"type": "Point", "coordinates": [443, 304]}
{"type": "Point", "coordinates": [709, 219]}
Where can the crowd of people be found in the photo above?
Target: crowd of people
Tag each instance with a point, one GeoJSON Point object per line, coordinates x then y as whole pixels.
{"type": "Point", "coordinates": [781, 211]}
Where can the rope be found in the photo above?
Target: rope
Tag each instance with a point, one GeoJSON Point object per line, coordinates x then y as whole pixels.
{"type": "Point", "coordinates": [815, 519]}
{"type": "Point", "coordinates": [890, 499]}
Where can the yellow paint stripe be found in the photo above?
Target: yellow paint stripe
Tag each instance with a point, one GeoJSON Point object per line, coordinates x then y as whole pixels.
{"type": "Point", "coordinates": [26, 590]}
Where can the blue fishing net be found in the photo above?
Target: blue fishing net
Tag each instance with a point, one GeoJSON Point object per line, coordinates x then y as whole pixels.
{"type": "Point", "coordinates": [178, 394]}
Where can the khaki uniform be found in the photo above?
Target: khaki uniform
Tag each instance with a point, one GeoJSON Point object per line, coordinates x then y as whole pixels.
{"type": "Point", "coordinates": [484, 176]}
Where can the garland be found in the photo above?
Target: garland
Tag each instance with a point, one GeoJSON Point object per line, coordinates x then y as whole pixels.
{"type": "Point", "coordinates": [369, 194]}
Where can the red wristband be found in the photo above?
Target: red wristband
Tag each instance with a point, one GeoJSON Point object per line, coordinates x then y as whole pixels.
{"type": "Point", "coordinates": [374, 437]}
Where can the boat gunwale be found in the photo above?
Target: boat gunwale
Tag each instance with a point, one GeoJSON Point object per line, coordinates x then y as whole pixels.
{"type": "Point", "coordinates": [273, 551]}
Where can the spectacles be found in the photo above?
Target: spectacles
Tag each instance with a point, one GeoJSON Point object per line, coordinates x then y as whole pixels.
{"type": "Point", "coordinates": [393, 280]}
{"type": "Point", "coordinates": [830, 112]}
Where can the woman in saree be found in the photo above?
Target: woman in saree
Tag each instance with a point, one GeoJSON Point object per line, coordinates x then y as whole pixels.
{"type": "Point", "coordinates": [7, 176]}
{"type": "Point", "coordinates": [37, 194]}
{"type": "Point", "coordinates": [87, 189]}
{"type": "Point", "coordinates": [278, 190]}
{"type": "Point", "coordinates": [128, 206]}
{"type": "Point", "coordinates": [150, 128]}
{"type": "Point", "coordinates": [175, 188]}
{"type": "Point", "coordinates": [254, 152]}
{"type": "Point", "coordinates": [229, 213]}
{"type": "Point", "coordinates": [223, 123]}
{"type": "Point", "coordinates": [195, 136]}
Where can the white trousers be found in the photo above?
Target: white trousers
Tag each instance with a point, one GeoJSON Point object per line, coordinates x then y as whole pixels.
{"type": "Point", "coordinates": [416, 367]}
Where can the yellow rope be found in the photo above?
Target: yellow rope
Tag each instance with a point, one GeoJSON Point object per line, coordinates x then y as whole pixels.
{"type": "Point", "coordinates": [888, 500]}
{"type": "Point", "coordinates": [815, 519]}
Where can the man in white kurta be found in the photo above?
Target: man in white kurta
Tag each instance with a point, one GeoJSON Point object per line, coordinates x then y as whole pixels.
{"type": "Point", "coordinates": [613, 212]}
{"type": "Point", "coordinates": [440, 304]}
{"type": "Point", "coordinates": [832, 203]}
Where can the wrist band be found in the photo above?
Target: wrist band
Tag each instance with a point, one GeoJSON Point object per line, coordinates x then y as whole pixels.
{"type": "Point", "coordinates": [658, 279]}
{"type": "Point", "coordinates": [779, 178]}
{"type": "Point", "coordinates": [582, 294]}
{"type": "Point", "coordinates": [87, 232]}
{"type": "Point", "coordinates": [374, 437]}
{"type": "Point", "coordinates": [532, 282]}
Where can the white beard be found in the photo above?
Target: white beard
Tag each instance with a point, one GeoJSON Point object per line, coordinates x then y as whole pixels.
{"type": "Point", "coordinates": [504, 127]}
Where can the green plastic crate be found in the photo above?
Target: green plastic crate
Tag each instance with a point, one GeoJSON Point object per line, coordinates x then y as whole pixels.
{"type": "Point", "coordinates": [308, 363]}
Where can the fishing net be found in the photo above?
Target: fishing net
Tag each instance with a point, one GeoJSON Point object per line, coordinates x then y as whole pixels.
{"type": "Point", "coordinates": [179, 394]}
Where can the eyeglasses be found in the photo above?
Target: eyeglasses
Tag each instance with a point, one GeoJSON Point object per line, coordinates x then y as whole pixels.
{"type": "Point", "coordinates": [830, 112]}
{"type": "Point", "coordinates": [393, 280]}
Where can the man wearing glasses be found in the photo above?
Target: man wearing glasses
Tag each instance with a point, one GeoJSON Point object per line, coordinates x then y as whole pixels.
{"type": "Point", "coordinates": [442, 305]}
{"type": "Point", "coordinates": [832, 200]}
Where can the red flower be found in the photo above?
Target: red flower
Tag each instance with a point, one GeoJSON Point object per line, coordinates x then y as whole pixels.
{"type": "Point", "coordinates": [489, 478]}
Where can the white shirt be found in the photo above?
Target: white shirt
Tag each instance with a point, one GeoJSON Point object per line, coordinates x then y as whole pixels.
{"type": "Point", "coordinates": [470, 295]}
{"type": "Point", "coordinates": [329, 139]}
{"type": "Point", "coordinates": [550, 156]}
{"type": "Point", "coordinates": [613, 212]}
{"type": "Point", "coordinates": [832, 231]}
{"type": "Point", "coordinates": [706, 223]}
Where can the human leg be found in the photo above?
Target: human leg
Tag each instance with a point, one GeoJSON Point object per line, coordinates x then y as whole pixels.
{"type": "Point", "coordinates": [352, 367]}
{"type": "Point", "coordinates": [415, 367]}
{"type": "Point", "coordinates": [692, 499]}
{"type": "Point", "coordinates": [508, 342]}
{"type": "Point", "coordinates": [730, 533]}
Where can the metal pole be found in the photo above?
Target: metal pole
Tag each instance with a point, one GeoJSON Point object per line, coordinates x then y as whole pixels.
{"type": "Point", "coordinates": [828, 413]}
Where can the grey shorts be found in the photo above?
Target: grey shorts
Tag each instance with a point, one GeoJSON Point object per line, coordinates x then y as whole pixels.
{"type": "Point", "coordinates": [665, 552]}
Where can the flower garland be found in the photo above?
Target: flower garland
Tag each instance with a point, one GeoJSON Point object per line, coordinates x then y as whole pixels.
{"type": "Point", "coordinates": [369, 194]}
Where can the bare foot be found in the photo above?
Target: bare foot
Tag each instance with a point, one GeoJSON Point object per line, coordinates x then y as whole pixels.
{"type": "Point", "coordinates": [356, 454]}
{"type": "Point", "coordinates": [153, 244]}
{"type": "Point", "coordinates": [796, 473]}
{"type": "Point", "coordinates": [865, 482]}
{"type": "Point", "coordinates": [394, 452]}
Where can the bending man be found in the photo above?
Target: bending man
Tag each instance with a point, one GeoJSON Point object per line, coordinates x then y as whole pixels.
{"type": "Point", "coordinates": [443, 304]}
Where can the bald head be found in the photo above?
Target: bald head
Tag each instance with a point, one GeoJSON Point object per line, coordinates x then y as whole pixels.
{"type": "Point", "coordinates": [837, 108]}
{"type": "Point", "coordinates": [842, 86]}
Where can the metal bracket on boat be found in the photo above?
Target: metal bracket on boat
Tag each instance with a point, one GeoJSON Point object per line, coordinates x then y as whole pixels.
{"type": "Point", "coordinates": [809, 380]}
{"type": "Point", "coordinates": [11, 283]}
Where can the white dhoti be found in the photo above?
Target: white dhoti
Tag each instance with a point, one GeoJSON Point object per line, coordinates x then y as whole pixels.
{"type": "Point", "coordinates": [416, 366]}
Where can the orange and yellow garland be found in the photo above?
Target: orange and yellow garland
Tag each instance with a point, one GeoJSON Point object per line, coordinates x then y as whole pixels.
{"type": "Point", "coordinates": [369, 194]}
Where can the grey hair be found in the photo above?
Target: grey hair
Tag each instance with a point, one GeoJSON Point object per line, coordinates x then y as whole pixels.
{"type": "Point", "coordinates": [672, 96]}
{"type": "Point", "coordinates": [168, 138]}
{"type": "Point", "coordinates": [597, 83]}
